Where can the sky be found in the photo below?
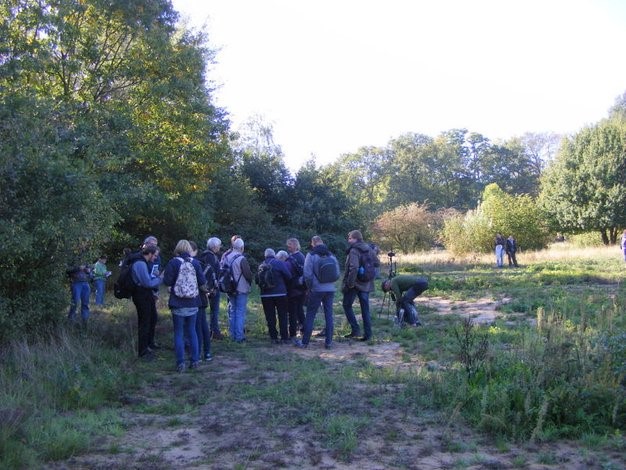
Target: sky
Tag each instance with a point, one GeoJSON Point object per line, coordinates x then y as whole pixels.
{"type": "Point", "coordinates": [332, 76]}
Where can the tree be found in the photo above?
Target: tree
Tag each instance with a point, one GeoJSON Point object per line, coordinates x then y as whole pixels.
{"type": "Point", "coordinates": [408, 228]}
{"type": "Point", "coordinates": [584, 189]}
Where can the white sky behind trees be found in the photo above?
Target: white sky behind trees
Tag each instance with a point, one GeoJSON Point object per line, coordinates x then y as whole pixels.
{"type": "Point", "coordinates": [335, 75]}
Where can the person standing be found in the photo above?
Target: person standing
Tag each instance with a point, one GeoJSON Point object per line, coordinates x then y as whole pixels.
{"type": "Point", "coordinates": [238, 301]}
{"type": "Point", "coordinates": [623, 244]}
{"type": "Point", "coordinates": [296, 288]}
{"type": "Point", "coordinates": [320, 292]}
{"type": "Point", "coordinates": [274, 295]}
{"type": "Point", "coordinates": [500, 248]}
{"type": "Point", "coordinates": [352, 287]}
{"type": "Point", "coordinates": [143, 296]}
{"type": "Point", "coordinates": [211, 261]}
{"type": "Point", "coordinates": [202, 326]}
{"type": "Point", "coordinates": [511, 249]}
{"type": "Point", "coordinates": [184, 308]}
{"type": "Point", "coordinates": [80, 291]}
{"type": "Point", "coordinates": [405, 289]}
{"type": "Point", "coordinates": [100, 275]}
{"type": "Point", "coordinates": [154, 267]}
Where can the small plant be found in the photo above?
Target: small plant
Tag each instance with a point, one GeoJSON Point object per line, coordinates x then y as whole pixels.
{"type": "Point", "coordinates": [473, 346]}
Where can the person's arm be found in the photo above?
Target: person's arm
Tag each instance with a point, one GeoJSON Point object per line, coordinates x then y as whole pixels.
{"type": "Point", "coordinates": [143, 277]}
{"type": "Point", "coordinates": [352, 267]}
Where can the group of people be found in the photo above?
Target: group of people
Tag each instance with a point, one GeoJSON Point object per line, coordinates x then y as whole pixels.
{"type": "Point", "coordinates": [300, 285]}
{"type": "Point", "coordinates": [508, 246]}
{"type": "Point", "coordinates": [81, 276]}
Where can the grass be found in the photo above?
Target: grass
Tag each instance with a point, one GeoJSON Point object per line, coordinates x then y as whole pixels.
{"type": "Point", "coordinates": [552, 367]}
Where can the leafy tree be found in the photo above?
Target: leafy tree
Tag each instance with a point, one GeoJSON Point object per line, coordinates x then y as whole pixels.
{"type": "Point", "coordinates": [584, 189]}
{"type": "Point", "coordinates": [407, 228]}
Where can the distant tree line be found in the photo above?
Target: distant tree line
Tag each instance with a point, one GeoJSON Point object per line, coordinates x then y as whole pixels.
{"type": "Point", "coordinates": [109, 132]}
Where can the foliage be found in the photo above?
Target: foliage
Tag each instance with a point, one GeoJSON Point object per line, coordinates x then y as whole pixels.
{"type": "Point", "coordinates": [584, 188]}
{"type": "Point", "coordinates": [406, 228]}
{"type": "Point", "coordinates": [498, 213]}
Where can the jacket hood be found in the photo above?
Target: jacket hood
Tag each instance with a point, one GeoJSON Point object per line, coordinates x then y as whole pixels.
{"type": "Point", "coordinates": [321, 250]}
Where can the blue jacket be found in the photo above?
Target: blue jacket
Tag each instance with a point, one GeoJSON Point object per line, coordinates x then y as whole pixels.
{"type": "Point", "coordinates": [169, 279]}
{"type": "Point", "coordinates": [281, 278]}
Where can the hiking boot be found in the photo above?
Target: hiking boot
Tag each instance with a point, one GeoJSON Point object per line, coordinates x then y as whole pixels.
{"type": "Point", "coordinates": [207, 357]}
{"type": "Point", "coordinates": [299, 344]}
{"type": "Point", "coordinates": [328, 346]}
{"type": "Point", "coordinates": [321, 334]}
{"type": "Point", "coordinates": [365, 338]}
{"type": "Point", "coordinates": [180, 367]}
{"type": "Point", "coordinates": [354, 334]}
{"type": "Point", "coordinates": [194, 365]}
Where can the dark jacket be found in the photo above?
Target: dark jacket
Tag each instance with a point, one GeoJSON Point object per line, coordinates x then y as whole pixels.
{"type": "Point", "coordinates": [293, 289]}
{"type": "Point", "coordinates": [169, 279]}
{"type": "Point", "coordinates": [350, 280]}
{"type": "Point", "coordinates": [281, 278]}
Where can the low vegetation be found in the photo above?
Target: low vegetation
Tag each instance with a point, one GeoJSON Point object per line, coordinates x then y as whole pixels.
{"type": "Point", "coordinates": [550, 367]}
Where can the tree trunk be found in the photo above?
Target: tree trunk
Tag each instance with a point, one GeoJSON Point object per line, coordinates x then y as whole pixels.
{"type": "Point", "coordinates": [605, 238]}
{"type": "Point", "coordinates": [613, 235]}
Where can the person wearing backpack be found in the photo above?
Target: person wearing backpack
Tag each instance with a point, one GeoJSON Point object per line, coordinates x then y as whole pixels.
{"type": "Point", "coordinates": [404, 290]}
{"type": "Point", "coordinates": [211, 260]}
{"type": "Point", "coordinates": [358, 281]}
{"type": "Point", "coordinates": [143, 296]}
{"type": "Point", "coordinates": [184, 276]}
{"type": "Point", "coordinates": [272, 278]}
{"type": "Point", "coordinates": [321, 270]}
{"type": "Point", "coordinates": [296, 288]}
{"type": "Point", "coordinates": [238, 299]}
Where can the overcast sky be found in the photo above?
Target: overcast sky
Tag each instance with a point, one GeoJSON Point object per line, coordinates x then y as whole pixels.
{"type": "Point", "coordinates": [333, 76]}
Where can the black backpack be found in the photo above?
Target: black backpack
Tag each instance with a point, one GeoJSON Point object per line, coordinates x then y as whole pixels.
{"type": "Point", "coordinates": [226, 281]}
{"type": "Point", "coordinates": [298, 279]}
{"type": "Point", "coordinates": [124, 286]}
{"type": "Point", "coordinates": [327, 269]}
{"type": "Point", "coordinates": [368, 262]}
{"type": "Point", "coordinates": [265, 276]}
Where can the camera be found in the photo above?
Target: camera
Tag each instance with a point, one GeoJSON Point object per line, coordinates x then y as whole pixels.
{"type": "Point", "coordinates": [391, 254]}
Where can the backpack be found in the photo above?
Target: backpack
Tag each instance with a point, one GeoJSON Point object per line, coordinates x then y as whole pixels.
{"type": "Point", "coordinates": [327, 269]}
{"type": "Point", "coordinates": [368, 261]}
{"type": "Point", "coordinates": [265, 276]}
{"type": "Point", "coordinates": [186, 285]}
{"type": "Point", "coordinates": [124, 286]}
{"type": "Point", "coordinates": [225, 281]}
{"type": "Point", "coordinates": [298, 279]}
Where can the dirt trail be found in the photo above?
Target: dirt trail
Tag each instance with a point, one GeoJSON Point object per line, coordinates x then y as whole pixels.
{"type": "Point", "coordinates": [226, 436]}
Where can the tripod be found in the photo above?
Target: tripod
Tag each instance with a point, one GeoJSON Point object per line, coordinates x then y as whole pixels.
{"type": "Point", "coordinates": [391, 272]}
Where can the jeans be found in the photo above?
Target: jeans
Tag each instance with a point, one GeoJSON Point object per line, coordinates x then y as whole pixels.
{"type": "Point", "coordinates": [202, 330]}
{"type": "Point", "coordinates": [238, 309]}
{"type": "Point", "coordinates": [185, 324]}
{"type": "Point", "coordinates": [364, 301]}
{"type": "Point", "coordinates": [214, 305]}
{"type": "Point", "coordinates": [296, 313]}
{"type": "Point", "coordinates": [499, 255]}
{"type": "Point", "coordinates": [313, 304]}
{"type": "Point", "coordinates": [100, 287]}
{"type": "Point", "coordinates": [273, 306]}
{"type": "Point", "coordinates": [80, 293]}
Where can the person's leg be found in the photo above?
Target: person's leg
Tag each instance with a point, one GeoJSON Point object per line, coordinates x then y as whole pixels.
{"type": "Point", "coordinates": [100, 285]}
{"type": "Point", "coordinates": [300, 299]}
{"type": "Point", "coordinates": [309, 319]}
{"type": "Point", "coordinates": [190, 326]}
{"type": "Point", "coordinates": [270, 316]}
{"type": "Point", "coordinates": [85, 293]}
{"type": "Point", "coordinates": [179, 341]}
{"type": "Point", "coordinates": [75, 298]}
{"type": "Point", "coordinates": [293, 317]}
{"type": "Point", "coordinates": [239, 313]}
{"type": "Point", "coordinates": [214, 305]}
{"type": "Point", "coordinates": [283, 316]}
{"type": "Point", "coordinates": [348, 299]}
{"type": "Point", "coordinates": [143, 301]}
{"type": "Point", "coordinates": [327, 303]}
{"type": "Point", "coordinates": [202, 331]}
{"type": "Point", "coordinates": [232, 300]}
{"type": "Point", "coordinates": [364, 302]}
